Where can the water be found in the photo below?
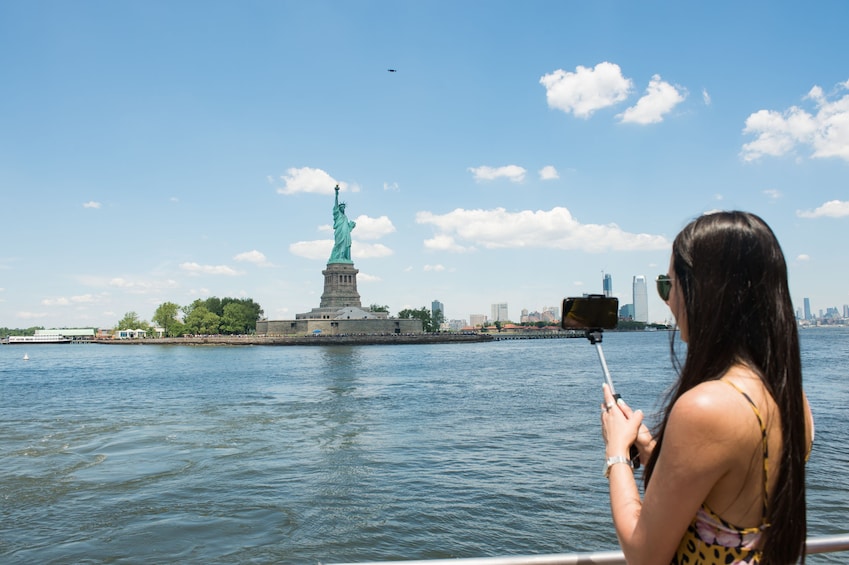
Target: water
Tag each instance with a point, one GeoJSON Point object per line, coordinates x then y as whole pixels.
{"type": "Point", "coordinates": [127, 454]}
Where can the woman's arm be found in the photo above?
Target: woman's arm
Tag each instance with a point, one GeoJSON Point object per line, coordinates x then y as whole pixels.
{"type": "Point", "coordinates": [692, 461]}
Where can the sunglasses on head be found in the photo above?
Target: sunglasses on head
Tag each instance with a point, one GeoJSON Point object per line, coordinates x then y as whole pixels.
{"type": "Point", "coordinates": [664, 285]}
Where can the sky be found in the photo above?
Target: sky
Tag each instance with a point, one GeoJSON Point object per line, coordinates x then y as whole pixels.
{"type": "Point", "coordinates": [156, 151]}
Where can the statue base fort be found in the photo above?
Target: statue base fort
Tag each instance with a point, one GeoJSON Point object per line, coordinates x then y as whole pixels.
{"type": "Point", "coordinates": [340, 312]}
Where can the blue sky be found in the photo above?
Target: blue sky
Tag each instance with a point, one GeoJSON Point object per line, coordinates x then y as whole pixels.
{"type": "Point", "coordinates": [155, 151]}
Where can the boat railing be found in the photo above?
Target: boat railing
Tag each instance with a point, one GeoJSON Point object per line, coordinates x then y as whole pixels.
{"type": "Point", "coordinates": [825, 544]}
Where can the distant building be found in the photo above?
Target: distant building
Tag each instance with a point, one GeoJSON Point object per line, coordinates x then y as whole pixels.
{"type": "Point", "coordinates": [626, 312]}
{"type": "Point", "coordinates": [846, 310]}
{"type": "Point", "coordinates": [607, 285]}
{"type": "Point", "coordinates": [641, 299]}
{"type": "Point", "coordinates": [73, 333]}
{"type": "Point", "coordinates": [455, 325]}
{"type": "Point", "coordinates": [476, 320]}
{"type": "Point", "coordinates": [499, 312]}
{"type": "Point", "coordinates": [808, 309]}
{"type": "Point", "coordinates": [437, 306]}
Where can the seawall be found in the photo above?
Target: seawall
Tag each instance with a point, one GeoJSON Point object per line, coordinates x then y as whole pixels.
{"type": "Point", "coordinates": [390, 339]}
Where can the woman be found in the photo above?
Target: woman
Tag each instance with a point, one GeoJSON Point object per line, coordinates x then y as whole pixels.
{"type": "Point", "coordinates": [725, 473]}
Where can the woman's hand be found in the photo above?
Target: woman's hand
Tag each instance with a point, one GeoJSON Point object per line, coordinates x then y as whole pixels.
{"type": "Point", "coordinates": [621, 427]}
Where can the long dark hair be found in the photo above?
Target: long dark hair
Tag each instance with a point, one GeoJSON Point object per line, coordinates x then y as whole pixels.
{"type": "Point", "coordinates": [733, 277]}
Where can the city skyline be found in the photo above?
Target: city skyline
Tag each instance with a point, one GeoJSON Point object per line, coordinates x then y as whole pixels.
{"type": "Point", "coordinates": [167, 152]}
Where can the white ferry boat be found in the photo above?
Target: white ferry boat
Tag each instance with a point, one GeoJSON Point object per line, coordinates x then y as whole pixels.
{"type": "Point", "coordinates": [35, 339]}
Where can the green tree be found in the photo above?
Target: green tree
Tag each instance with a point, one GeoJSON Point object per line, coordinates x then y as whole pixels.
{"type": "Point", "coordinates": [131, 321]}
{"type": "Point", "coordinates": [214, 305]}
{"type": "Point", "coordinates": [379, 308]}
{"type": "Point", "coordinates": [166, 318]}
{"type": "Point", "coordinates": [253, 311]}
{"type": "Point", "coordinates": [436, 320]}
{"type": "Point", "coordinates": [631, 325]}
{"type": "Point", "coordinates": [201, 321]}
{"type": "Point", "coordinates": [422, 314]}
{"type": "Point", "coordinates": [5, 332]}
{"type": "Point", "coordinates": [238, 318]}
{"type": "Point", "coordinates": [187, 309]}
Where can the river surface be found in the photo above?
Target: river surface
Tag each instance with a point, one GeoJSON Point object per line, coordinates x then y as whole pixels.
{"type": "Point", "coordinates": [165, 454]}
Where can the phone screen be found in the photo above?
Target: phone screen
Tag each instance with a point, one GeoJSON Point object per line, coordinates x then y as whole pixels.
{"type": "Point", "coordinates": [593, 311]}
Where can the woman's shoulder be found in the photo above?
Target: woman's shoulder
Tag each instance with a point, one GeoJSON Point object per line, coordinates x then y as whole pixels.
{"type": "Point", "coordinates": [712, 406]}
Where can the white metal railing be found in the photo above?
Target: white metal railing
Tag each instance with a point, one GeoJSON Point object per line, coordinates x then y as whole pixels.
{"type": "Point", "coordinates": [826, 544]}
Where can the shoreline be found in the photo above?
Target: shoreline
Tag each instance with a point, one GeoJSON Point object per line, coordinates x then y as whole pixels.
{"type": "Point", "coordinates": [331, 340]}
{"type": "Point", "coordinates": [304, 340]}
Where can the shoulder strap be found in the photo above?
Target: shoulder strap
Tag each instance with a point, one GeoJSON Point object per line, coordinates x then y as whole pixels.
{"type": "Point", "coordinates": [764, 442]}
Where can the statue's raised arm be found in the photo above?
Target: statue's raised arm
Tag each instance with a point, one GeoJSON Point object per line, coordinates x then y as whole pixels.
{"type": "Point", "coordinates": [341, 233]}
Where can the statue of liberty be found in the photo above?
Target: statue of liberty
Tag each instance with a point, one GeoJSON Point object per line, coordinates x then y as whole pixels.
{"type": "Point", "coordinates": [341, 233]}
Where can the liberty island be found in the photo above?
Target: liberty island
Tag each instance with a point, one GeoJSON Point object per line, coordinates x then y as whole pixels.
{"type": "Point", "coordinates": [340, 312]}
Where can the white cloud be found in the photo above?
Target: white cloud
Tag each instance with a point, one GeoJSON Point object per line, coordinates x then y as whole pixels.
{"type": "Point", "coordinates": [131, 286]}
{"type": "Point", "coordinates": [91, 204]}
{"type": "Point", "coordinates": [548, 173]}
{"type": "Point", "coordinates": [434, 268]}
{"type": "Point", "coordinates": [31, 315]}
{"type": "Point", "coordinates": [803, 257]}
{"type": "Point", "coordinates": [372, 228]}
{"type": "Point", "coordinates": [706, 97]}
{"type": "Point", "coordinates": [514, 173]}
{"type": "Point", "coordinates": [316, 249]}
{"type": "Point", "coordinates": [307, 179]}
{"type": "Point", "coordinates": [772, 193]}
{"type": "Point", "coordinates": [586, 90]}
{"type": "Point", "coordinates": [443, 242]}
{"type": "Point", "coordinates": [393, 186]}
{"type": "Point", "coordinates": [826, 132]}
{"type": "Point", "coordinates": [366, 278]}
{"type": "Point", "coordinates": [831, 209]}
{"type": "Point", "coordinates": [321, 248]}
{"type": "Point", "coordinates": [198, 269]}
{"type": "Point", "coordinates": [541, 229]}
{"type": "Point", "coordinates": [360, 250]}
{"type": "Point", "coordinates": [660, 98]}
{"type": "Point", "coordinates": [62, 301]}
{"type": "Point", "coordinates": [254, 256]}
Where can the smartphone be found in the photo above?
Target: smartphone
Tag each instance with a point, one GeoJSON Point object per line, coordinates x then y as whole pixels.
{"type": "Point", "coordinates": [590, 312]}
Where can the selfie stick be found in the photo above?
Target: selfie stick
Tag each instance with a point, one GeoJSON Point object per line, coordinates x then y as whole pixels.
{"type": "Point", "coordinates": [595, 338]}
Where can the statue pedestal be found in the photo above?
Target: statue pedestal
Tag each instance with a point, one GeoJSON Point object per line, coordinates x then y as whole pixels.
{"type": "Point", "coordinates": [340, 286]}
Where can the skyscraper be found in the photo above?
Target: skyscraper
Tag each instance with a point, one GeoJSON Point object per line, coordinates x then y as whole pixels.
{"type": "Point", "coordinates": [437, 306]}
{"type": "Point", "coordinates": [641, 299]}
{"type": "Point", "coordinates": [437, 314]}
{"type": "Point", "coordinates": [607, 285]}
{"type": "Point", "coordinates": [499, 312]}
{"type": "Point", "coordinates": [476, 320]}
{"type": "Point", "coordinates": [807, 308]}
